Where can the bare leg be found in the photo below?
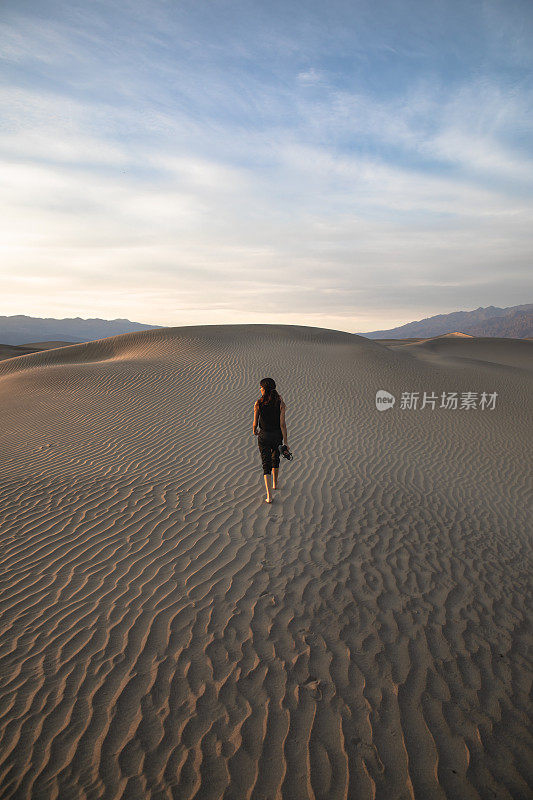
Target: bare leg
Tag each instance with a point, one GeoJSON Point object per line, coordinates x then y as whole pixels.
{"type": "Point", "coordinates": [268, 498]}
{"type": "Point", "coordinates": [275, 477]}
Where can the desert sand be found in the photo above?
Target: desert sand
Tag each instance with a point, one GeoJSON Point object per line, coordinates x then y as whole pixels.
{"type": "Point", "coordinates": [463, 351]}
{"type": "Point", "coordinates": [165, 633]}
{"type": "Point", "coordinates": [11, 350]}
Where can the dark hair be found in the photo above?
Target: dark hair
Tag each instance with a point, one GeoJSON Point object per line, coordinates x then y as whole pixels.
{"type": "Point", "coordinates": [271, 396]}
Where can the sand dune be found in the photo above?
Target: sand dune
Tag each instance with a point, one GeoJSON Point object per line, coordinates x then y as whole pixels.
{"type": "Point", "coordinates": [167, 634]}
{"type": "Point", "coordinates": [456, 334]}
{"type": "Point", "coordinates": [463, 350]}
{"type": "Point", "coordinates": [13, 351]}
{"type": "Point", "coordinates": [47, 345]}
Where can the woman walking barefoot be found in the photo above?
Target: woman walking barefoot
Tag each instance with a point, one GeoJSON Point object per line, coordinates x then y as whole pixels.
{"type": "Point", "coordinates": [269, 414]}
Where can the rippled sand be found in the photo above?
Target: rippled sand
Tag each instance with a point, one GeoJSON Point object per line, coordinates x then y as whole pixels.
{"type": "Point", "coordinates": [165, 633]}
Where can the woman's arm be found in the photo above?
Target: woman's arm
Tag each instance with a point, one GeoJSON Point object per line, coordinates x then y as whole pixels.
{"type": "Point", "coordinates": [282, 423]}
{"type": "Point", "coordinates": [256, 415]}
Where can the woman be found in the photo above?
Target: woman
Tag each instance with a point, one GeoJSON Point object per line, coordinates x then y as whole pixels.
{"type": "Point", "coordinates": [269, 413]}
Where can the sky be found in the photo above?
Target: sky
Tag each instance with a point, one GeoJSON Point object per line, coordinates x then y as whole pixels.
{"type": "Point", "coordinates": [349, 165]}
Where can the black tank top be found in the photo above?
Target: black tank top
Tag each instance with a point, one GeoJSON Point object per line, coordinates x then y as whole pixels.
{"type": "Point", "coordinates": [269, 416]}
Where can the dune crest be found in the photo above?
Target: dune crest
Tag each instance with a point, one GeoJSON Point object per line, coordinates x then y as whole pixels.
{"type": "Point", "coordinates": [454, 333]}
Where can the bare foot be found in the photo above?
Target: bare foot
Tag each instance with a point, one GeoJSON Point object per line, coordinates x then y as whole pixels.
{"type": "Point", "coordinates": [277, 486]}
{"type": "Point", "coordinates": [268, 499]}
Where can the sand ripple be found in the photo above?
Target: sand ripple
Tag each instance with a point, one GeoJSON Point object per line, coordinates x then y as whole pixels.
{"type": "Point", "coordinates": [167, 634]}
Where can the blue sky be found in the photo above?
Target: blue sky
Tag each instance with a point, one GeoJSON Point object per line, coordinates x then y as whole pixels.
{"type": "Point", "coordinates": [345, 165]}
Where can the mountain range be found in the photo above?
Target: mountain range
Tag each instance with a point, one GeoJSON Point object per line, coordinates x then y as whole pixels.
{"type": "Point", "coordinates": [512, 322]}
{"type": "Point", "coordinates": [21, 329]}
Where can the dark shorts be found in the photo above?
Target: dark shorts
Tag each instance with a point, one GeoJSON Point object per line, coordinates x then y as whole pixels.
{"type": "Point", "coordinates": [268, 442]}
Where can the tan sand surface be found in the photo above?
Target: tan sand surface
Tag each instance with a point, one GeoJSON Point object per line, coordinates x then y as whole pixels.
{"type": "Point", "coordinates": [46, 345]}
{"type": "Point", "coordinates": [454, 333]}
{"type": "Point", "coordinates": [465, 351]}
{"type": "Point", "coordinates": [165, 633]}
{"type": "Point", "coordinates": [12, 350]}
{"type": "Point", "coordinates": [399, 341]}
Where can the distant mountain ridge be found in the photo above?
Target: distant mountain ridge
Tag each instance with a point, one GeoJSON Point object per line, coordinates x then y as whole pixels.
{"type": "Point", "coordinates": [512, 322]}
{"type": "Point", "coordinates": [20, 329]}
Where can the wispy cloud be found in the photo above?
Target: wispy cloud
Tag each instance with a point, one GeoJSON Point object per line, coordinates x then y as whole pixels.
{"type": "Point", "coordinates": [173, 171]}
{"type": "Point", "coordinates": [310, 76]}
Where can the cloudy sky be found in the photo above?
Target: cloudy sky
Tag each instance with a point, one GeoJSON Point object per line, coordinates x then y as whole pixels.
{"type": "Point", "coordinates": [351, 165]}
